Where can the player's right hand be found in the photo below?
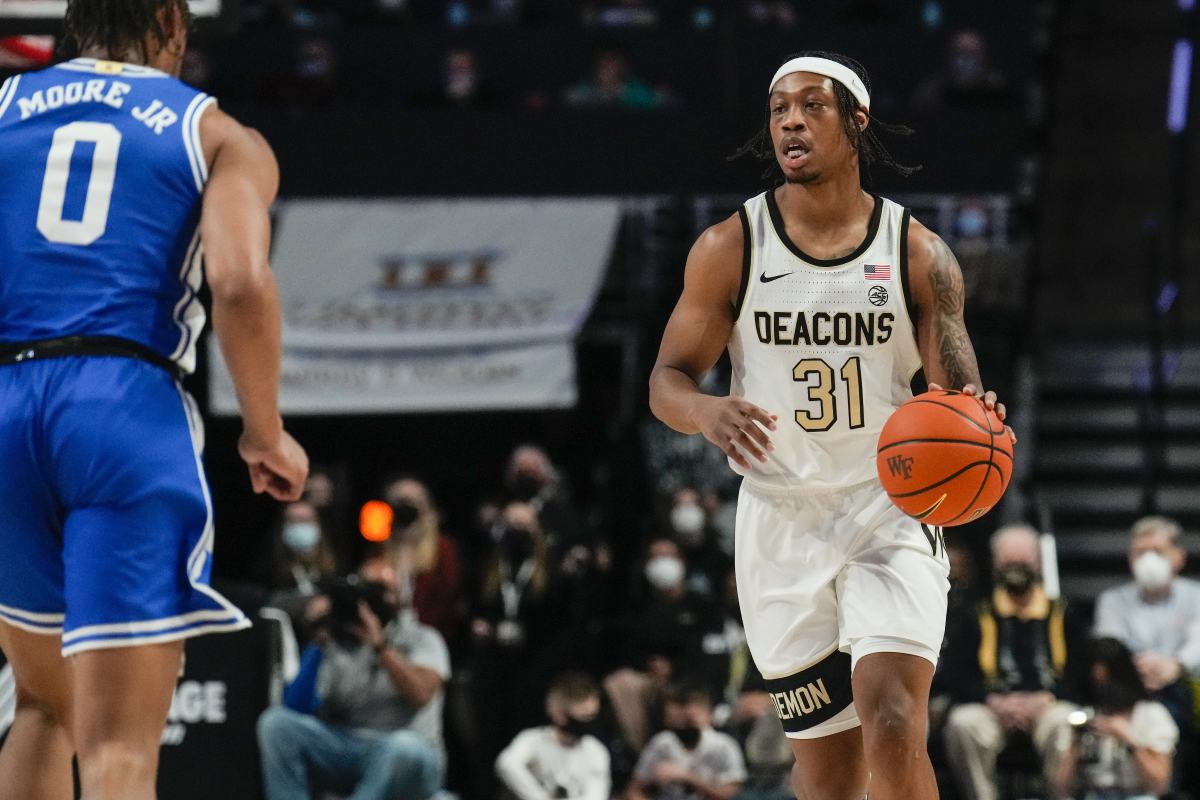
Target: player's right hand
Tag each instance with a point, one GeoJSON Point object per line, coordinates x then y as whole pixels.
{"type": "Point", "coordinates": [279, 469]}
{"type": "Point", "coordinates": [732, 423]}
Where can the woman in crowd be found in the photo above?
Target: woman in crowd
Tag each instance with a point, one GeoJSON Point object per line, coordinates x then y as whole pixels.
{"type": "Point", "coordinates": [426, 558]}
{"type": "Point", "coordinates": [1121, 748]}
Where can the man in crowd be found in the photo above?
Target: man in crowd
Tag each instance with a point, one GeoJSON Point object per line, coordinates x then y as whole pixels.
{"type": "Point", "coordinates": [364, 714]}
{"type": "Point", "coordinates": [1006, 668]}
{"type": "Point", "coordinates": [1157, 616]}
{"type": "Point", "coordinates": [689, 760]}
{"type": "Point", "coordinates": [563, 760]}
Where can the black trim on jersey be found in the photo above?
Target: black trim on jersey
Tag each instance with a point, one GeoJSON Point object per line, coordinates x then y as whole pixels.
{"type": "Point", "coordinates": [747, 243]}
{"type": "Point", "coordinates": [781, 232]}
{"type": "Point", "coordinates": [813, 695]}
{"type": "Point", "coordinates": [908, 304]}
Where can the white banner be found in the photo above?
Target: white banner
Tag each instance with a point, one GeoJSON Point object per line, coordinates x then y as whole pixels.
{"type": "Point", "coordinates": [432, 305]}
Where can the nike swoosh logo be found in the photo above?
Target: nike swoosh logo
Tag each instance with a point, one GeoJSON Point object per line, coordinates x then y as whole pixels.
{"type": "Point", "coordinates": [765, 279]}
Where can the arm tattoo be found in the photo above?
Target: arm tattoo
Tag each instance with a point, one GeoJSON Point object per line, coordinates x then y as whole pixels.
{"type": "Point", "coordinates": [953, 348]}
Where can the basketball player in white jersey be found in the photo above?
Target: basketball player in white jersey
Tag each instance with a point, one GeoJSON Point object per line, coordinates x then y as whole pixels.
{"type": "Point", "coordinates": [829, 300]}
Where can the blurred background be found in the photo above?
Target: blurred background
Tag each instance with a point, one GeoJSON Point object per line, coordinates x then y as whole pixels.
{"type": "Point", "coordinates": [485, 210]}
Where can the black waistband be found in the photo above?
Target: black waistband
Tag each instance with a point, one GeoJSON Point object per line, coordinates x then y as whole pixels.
{"type": "Point", "coordinates": [17, 352]}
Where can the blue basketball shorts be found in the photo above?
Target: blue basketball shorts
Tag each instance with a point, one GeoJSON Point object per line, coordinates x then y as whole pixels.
{"type": "Point", "coordinates": [106, 525]}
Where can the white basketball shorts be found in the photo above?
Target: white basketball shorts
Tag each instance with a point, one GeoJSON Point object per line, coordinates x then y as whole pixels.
{"type": "Point", "coordinates": [827, 577]}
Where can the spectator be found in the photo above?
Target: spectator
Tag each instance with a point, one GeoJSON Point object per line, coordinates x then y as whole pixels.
{"type": "Point", "coordinates": [513, 629]}
{"type": "Point", "coordinates": [1157, 616]}
{"type": "Point", "coordinates": [312, 81]}
{"type": "Point", "coordinates": [689, 760]}
{"type": "Point", "coordinates": [1121, 748]}
{"type": "Point", "coordinates": [665, 634]}
{"type": "Point", "coordinates": [1006, 668]}
{"type": "Point", "coordinates": [462, 82]}
{"type": "Point", "coordinates": [364, 714]}
{"type": "Point", "coordinates": [532, 478]}
{"type": "Point", "coordinates": [968, 77]}
{"type": "Point", "coordinates": [612, 85]}
{"type": "Point", "coordinates": [620, 14]}
{"type": "Point", "coordinates": [426, 559]}
{"type": "Point", "coordinates": [776, 13]}
{"type": "Point", "coordinates": [303, 559]}
{"type": "Point", "coordinates": [688, 521]}
{"type": "Point", "coordinates": [564, 760]}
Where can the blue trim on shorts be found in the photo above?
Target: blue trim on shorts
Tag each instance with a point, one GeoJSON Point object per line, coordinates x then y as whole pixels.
{"type": "Point", "coordinates": [125, 638]}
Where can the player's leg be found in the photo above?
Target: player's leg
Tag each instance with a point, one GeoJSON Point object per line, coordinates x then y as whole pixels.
{"type": "Point", "coordinates": [891, 693]}
{"type": "Point", "coordinates": [136, 553]}
{"type": "Point", "coordinates": [36, 759]}
{"type": "Point", "coordinates": [122, 696]}
{"type": "Point", "coordinates": [35, 762]}
{"type": "Point", "coordinates": [892, 609]}
{"type": "Point", "coordinates": [787, 559]}
{"type": "Point", "coordinates": [830, 768]}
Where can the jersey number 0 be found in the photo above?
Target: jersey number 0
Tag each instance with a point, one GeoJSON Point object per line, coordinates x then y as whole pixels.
{"type": "Point", "coordinates": [94, 220]}
{"type": "Point", "coordinates": [822, 393]}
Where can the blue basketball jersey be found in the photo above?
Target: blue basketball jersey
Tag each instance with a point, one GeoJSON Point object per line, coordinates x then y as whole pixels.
{"type": "Point", "coordinates": [102, 180]}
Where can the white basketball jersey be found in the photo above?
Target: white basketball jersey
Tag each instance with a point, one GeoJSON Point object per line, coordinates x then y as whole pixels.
{"type": "Point", "coordinates": [827, 345]}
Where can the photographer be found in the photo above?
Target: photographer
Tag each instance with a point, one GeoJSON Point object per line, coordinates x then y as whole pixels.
{"type": "Point", "coordinates": [1121, 748]}
{"type": "Point", "coordinates": [364, 714]}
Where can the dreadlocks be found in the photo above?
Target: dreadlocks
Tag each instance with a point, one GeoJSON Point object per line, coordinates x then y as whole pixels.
{"type": "Point", "coordinates": [870, 148]}
{"type": "Point", "coordinates": [117, 26]}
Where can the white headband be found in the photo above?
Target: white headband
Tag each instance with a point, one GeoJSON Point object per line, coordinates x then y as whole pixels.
{"type": "Point", "coordinates": [830, 69]}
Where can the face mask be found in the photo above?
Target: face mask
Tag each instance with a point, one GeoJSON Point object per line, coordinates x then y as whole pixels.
{"type": "Point", "coordinates": [518, 544]}
{"type": "Point", "coordinates": [526, 487]}
{"type": "Point", "coordinates": [688, 521]}
{"type": "Point", "coordinates": [664, 572]}
{"type": "Point", "coordinates": [301, 537]}
{"type": "Point", "coordinates": [404, 514]}
{"type": "Point", "coordinates": [689, 736]}
{"type": "Point", "coordinates": [1152, 571]}
{"type": "Point", "coordinates": [578, 728]}
{"type": "Point", "coordinates": [1016, 578]}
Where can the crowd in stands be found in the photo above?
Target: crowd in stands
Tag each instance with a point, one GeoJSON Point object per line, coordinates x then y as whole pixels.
{"type": "Point", "coordinates": [524, 662]}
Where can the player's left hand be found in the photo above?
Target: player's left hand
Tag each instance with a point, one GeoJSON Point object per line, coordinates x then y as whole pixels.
{"type": "Point", "coordinates": [989, 400]}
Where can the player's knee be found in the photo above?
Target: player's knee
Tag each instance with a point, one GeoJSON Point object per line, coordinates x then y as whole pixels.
{"type": "Point", "coordinates": [127, 761]}
{"type": "Point", "coordinates": [49, 712]}
{"type": "Point", "coordinates": [894, 714]}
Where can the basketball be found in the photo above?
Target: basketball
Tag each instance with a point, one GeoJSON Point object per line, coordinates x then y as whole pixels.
{"type": "Point", "coordinates": [944, 459]}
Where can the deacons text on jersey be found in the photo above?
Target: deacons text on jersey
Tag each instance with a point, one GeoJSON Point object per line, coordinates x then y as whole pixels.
{"type": "Point", "coordinates": [827, 345]}
{"type": "Point", "coordinates": [101, 198]}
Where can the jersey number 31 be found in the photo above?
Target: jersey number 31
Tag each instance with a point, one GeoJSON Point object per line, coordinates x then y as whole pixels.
{"type": "Point", "coordinates": [94, 220]}
{"type": "Point", "coordinates": [822, 393]}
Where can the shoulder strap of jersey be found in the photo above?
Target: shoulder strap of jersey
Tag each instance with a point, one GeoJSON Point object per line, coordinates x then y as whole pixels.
{"type": "Point", "coordinates": [7, 92]}
{"type": "Point", "coordinates": [191, 137]}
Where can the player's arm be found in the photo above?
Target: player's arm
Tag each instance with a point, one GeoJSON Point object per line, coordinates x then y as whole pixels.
{"type": "Point", "coordinates": [696, 335]}
{"type": "Point", "coordinates": [235, 228]}
{"type": "Point", "coordinates": [939, 297]}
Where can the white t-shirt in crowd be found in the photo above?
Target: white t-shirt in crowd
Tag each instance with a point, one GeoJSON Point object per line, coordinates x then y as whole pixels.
{"type": "Point", "coordinates": [717, 759]}
{"type": "Point", "coordinates": [537, 766]}
{"type": "Point", "coordinates": [1112, 764]}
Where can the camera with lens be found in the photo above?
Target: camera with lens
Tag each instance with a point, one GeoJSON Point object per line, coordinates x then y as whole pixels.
{"type": "Point", "coordinates": [344, 595]}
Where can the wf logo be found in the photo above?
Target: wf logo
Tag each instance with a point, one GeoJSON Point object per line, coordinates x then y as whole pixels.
{"type": "Point", "coordinates": [900, 466]}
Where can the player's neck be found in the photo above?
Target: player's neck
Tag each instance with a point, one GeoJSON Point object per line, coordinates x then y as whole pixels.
{"type": "Point", "coordinates": [824, 203]}
{"type": "Point", "coordinates": [131, 56]}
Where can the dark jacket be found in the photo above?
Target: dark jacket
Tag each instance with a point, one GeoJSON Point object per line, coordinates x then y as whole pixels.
{"type": "Point", "coordinates": [1005, 649]}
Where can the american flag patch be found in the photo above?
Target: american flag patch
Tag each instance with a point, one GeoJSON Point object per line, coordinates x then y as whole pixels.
{"type": "Point", "coordinates": [877, 272]}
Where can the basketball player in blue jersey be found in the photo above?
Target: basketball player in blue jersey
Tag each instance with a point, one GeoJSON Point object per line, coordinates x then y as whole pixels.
{"type": "Point", "coordinates": [116, 177]}
{"type": "Point", "coordinates": [829, 300]}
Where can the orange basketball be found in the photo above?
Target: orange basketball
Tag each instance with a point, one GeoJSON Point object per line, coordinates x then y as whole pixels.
{"type": "Point", "coordinates": [944, 459]}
